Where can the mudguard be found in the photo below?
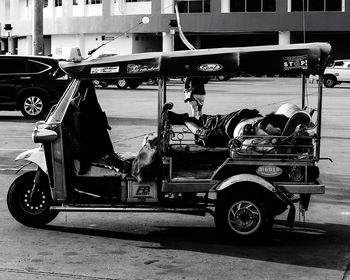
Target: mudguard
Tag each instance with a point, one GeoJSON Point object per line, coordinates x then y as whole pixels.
{"type": "Point", "coordinates": [36, 156]}
{"type": "Point", "coordinates": [245, 178]}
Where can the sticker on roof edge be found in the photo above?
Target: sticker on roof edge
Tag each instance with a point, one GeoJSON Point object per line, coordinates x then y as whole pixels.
{"type": "Point", "coordinates": [295, 62]}
{"type": "Point", "coordinates": [209, 67]}
{"type": "Point", "coordinates": [103, 70]}
{"type": "Point", "coordinates": [139, 68]}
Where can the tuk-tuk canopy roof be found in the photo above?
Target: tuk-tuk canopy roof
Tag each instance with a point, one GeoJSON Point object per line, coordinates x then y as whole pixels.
{"type": "Point", "coordinates": [309, 58]}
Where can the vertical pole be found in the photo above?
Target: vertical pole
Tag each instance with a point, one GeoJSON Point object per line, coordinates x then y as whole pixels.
{"type": "Point", "coordinates": [38, 36]}
{"type": "Point", "coordinates": [161, 102]}
{"type": "Point", "coordinates": [319, 118]}
{"type": "Point", "coordinates": [303, 90]}
{"type": "Point", "coordinates": [161, 93]}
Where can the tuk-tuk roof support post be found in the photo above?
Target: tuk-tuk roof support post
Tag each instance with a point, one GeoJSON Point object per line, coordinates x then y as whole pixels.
{"type": "Point", "coordinates": [303, 90]}
{"type": "Point", "coordinates": [161, 102]}
{"type": "Point", "coordinates": [319, 117]}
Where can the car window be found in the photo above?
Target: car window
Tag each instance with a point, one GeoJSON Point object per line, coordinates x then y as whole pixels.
{"type": "Point", "coordinates": [13, 66]}
{"type": "Point", "coordinates": [338, 63]}
{"type": "Point", "coordinates": [37, 67]}
{"type": "Point", "coordinates": [60, 75]}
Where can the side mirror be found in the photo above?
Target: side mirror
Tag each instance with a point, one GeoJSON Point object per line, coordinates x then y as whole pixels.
{"type": "Point", "coordinates": [43, 135]}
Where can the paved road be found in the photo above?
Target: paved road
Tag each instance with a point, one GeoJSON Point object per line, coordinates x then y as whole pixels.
{"type": "Point", "coordinates": [164, 246]}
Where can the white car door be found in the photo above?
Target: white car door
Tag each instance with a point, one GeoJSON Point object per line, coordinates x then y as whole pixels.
{"type": "Point", "coordinates": [343, 72]}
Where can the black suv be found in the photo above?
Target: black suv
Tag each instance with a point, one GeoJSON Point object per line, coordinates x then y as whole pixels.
{"type": "Point", "coordinates": [31, 84]}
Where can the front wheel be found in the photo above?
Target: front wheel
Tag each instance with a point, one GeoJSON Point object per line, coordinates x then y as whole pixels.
{"type": "Point", "coordinates": [30, 208]}
{"type": "Point", "coordinates": [245, 217]}
{"type": "Point", "coordinates": [122, 83]}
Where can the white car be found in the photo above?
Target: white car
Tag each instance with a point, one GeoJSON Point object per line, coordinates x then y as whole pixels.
{"type": "Point", "coordinates": [338, 72]}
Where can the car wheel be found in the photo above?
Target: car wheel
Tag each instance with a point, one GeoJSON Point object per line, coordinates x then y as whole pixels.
{"type": "Point", "coordinates": [133, 84]}
{"type": "Point", "coordinates": [151, 81]}
{"type": "Point", "coordinates": [103, 84]}
{"type": "Point", "coordinates": [30, 208]}
{"type": "Point", "coordinates": [245, 217]}
{"type": "Point", "coordinates": [329, 81]}
{"type": "Point", "coordinates": [122, 83]}
{"type": "Point", "coordinates": [221, 78]}
{"type": "Point", "coordinates": [33, 105]}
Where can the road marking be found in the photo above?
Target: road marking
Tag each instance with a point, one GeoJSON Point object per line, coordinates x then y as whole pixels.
{"type": "Point", "coordinates": [55, 275]}
{"type": "Point", "coordinates": [345, 213]}
{"type": "Point", "coordinates": [13, 150]}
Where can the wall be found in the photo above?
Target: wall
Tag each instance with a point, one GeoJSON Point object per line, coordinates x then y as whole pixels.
{"type": "Point", "coordinates": [146, 43]}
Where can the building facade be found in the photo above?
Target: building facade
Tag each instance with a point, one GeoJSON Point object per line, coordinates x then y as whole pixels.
{"type": "Point", "coordinates": [207, 24]}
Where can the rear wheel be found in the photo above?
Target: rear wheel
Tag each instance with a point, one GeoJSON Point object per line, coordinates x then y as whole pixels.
{"type": "Point", "coordinates": [30, 207]}
{"type": "Point", "coordinates": [151, 81]}
{"type": "Point", "coordinates": [329, 81]}
{"type": "Point", "coordinates": [245, 217]}
{"type": "Point", "coordinates": [33, 105]}
{"type": "Point", "coordinates": [122, 83]}
{"type": "Point", "coordinates": [221, 78]}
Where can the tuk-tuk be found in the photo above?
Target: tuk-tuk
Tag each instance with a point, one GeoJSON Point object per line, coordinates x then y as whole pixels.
{"type": "Point", "coordinates": [244, 182]}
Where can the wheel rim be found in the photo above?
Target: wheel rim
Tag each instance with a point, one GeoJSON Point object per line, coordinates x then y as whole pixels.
{"type": "Point", "coordinates": [122, 82]}
{"type": "Point", "coordinates": [35, 205]}
{"type": "Point", "coordinates": [329, 82]}
{"type": "Point", "coordinates": [150, 82]}
{"type": "Point", "coordinates": [221, 78]}
{"type": "Point", "coordinates": [33, 105]}
{"type": "Point", "coordinates": [244, 217]}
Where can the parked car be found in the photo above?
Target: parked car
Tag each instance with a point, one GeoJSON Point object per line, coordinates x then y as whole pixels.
{"type": "Point", "coordinates": [338, 72]}
{"type": "Point", "coordinates": [30, 84]}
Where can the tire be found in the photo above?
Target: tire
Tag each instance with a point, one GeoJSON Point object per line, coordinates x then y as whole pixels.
{"type": "Point", "coordinates": [133, 84]}
{"type": "Point", "coordinates": [221, 78]}
{"type": "Point", "coordinates": [34, 213]}
{"type": "Point", "coordinates": [252, 217]}
{"type": "Point", "coordinates": [33, 106]}
{"type": "Point", "coordinates": [122, 83]}
{"type": "Point", "coordinates": [151, 82]}
{"type": "Point", "coordinates": [103, 84]}
{"type": "Point", "coordinates": [329, 81]}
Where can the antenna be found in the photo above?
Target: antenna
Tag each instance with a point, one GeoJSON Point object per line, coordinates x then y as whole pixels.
{"type": "Point", "coordinates": [182, 35]}
{"type": "Point", "coordinates": [144, 20]}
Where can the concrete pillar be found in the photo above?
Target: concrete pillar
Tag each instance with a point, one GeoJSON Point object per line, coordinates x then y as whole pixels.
{"type": "Point", "coordinates": [67, 8]}
{"type": "Point", "coordinates": [283, 37]}
{"type": "Point", "coordinates": [81, 44]}
{"type": "Point", "coordinates": [38, 36]}
{"type": "Point", "coordinates": [106, 8]}
{"type": "Point", "coordinates": [2, 46]}
{"type": "Point", "coordinates": [11, 45]}
{"type": "Point", "coordinates": [225, 6]}
{"type": "Point", "coordinates": [29, 44]}
{"type": "Point", "coordinates": [168, 41]}
{"type": "Point", "coordinates": [167, 7]}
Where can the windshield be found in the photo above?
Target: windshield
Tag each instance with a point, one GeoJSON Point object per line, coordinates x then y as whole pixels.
{"type": "Point", "coordinates": [59, 111]}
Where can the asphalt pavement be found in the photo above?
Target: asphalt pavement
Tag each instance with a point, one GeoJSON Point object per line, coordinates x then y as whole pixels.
{"type": "Point", "coordinates": [169, 246]}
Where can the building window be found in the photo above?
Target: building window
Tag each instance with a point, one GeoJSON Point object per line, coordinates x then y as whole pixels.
{"type": "Point", "coordinates": [194, 6]}
{"type": "Point", "coordinates": [46, 3]}
{"type": "Point", "coordinates": [58, 3]}
{"type": "Point", "coordinates": [316, 5]}
{"type": "Point", "coordinates": [252, 5]}
{"type": "Point", "coordinates": [75, 2]}
{"type": "Point", "coordinates": [91, 2]}
{"type": "Point", "coordinates": [136, 1]}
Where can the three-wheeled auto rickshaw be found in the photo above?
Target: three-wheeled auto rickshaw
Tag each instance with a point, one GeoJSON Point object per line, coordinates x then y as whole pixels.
{"type": "Point", "coordinates": [244, 182]}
